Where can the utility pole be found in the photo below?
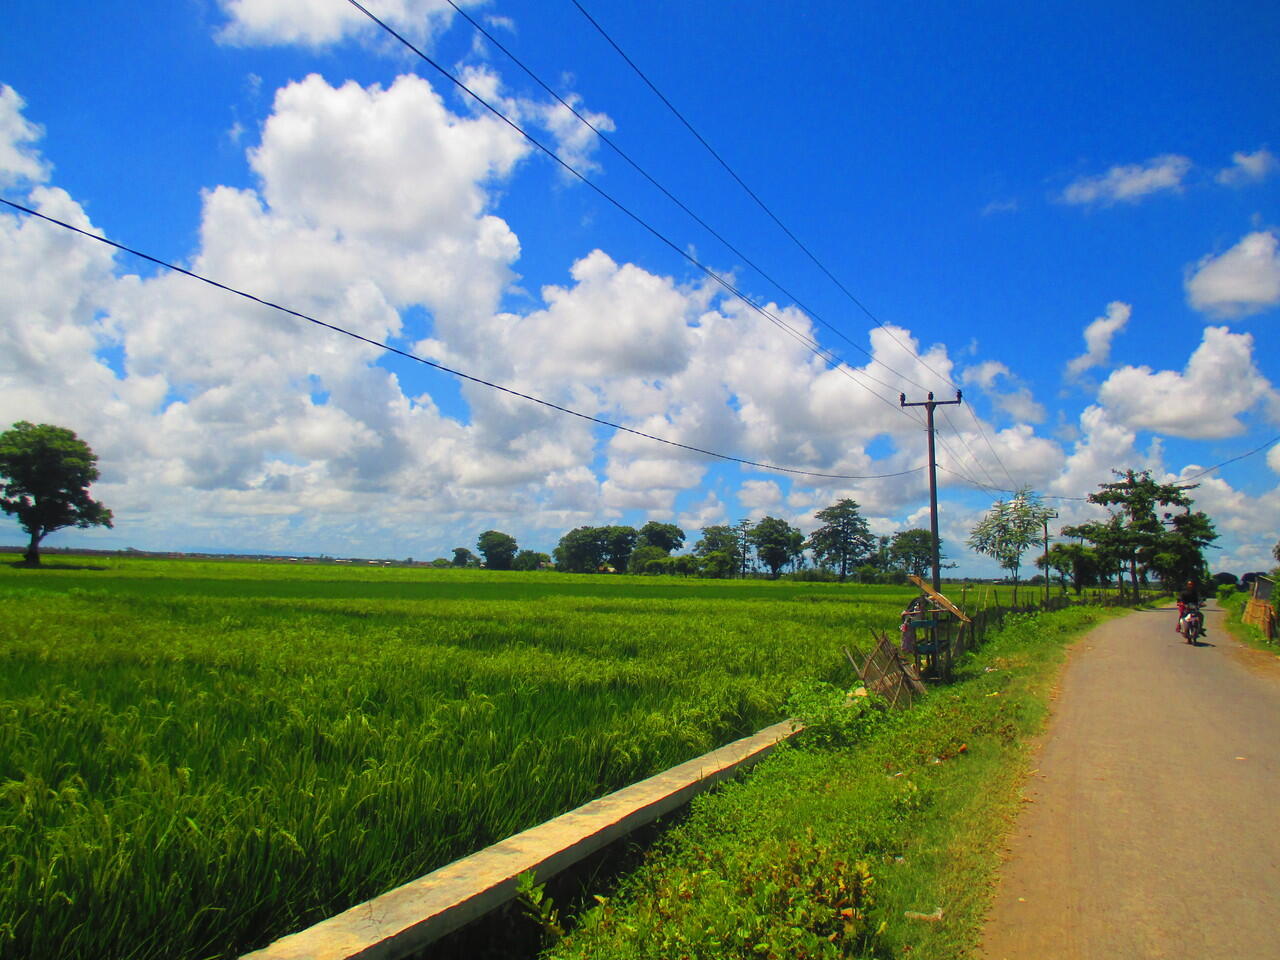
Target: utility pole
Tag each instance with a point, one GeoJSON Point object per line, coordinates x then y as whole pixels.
{"type": "Point", "coordinates": [933, 475]}
{"type": "Point", "coordinates": [1045, 518]}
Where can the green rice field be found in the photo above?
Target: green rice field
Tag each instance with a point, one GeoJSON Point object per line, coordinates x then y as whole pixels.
{"type": "Point", "coordinates": [199, 757]}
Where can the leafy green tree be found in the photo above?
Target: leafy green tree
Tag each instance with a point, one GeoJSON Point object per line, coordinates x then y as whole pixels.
{"type": "Point", "coordinates": [1111, 545]}
{"type": "Point", "coordinates": [1135, 536]}
{"type": "Point", "coordinates": [462, 557]}
{"type": "Point", "coordinates": [498, 549]}
{"type": "Point", "coordinates": [665, 536]}
{"type": "Point", "coordinates": [647, 558]}
{"type": "Point", "coordinates": [1075, 560]}
{"type": "Point", "coordinates": [1008, 530]}
{"type": "Point", "coordinates": [844, 540]}
{"type": "Point", "coordinates": [684, 564]}
{"type": "Point", "coordinates": [869, 573]}
{"type": "Point", "coordinates": [1178, 553]}
{"type": "Point", "coordinates": [912, 550]}
{"type": "Point", "coordinates": [717, 564]}
{"type": "Point", "coordinates": [883, 558]}
{"type": "Point", "coordinates": [529, 560]}
{"type": "Point", "coordinates": [588, 549]}
{"type": "Point", "coordinates": [45, 473]}
{"type": "Point", "coordinates": [718, 551]}
{"type": "Point", "coordinates": [776, 543]}
{"type": "Point", "coordinates": [621, 541]}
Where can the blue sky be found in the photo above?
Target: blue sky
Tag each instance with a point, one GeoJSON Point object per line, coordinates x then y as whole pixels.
{"type": "Point", "coordinates": [1068, 209]}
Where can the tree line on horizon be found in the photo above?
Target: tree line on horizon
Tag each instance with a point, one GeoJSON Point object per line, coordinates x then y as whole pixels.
{"type": "Point", "coordinates": [843, 546]}
{"type": "Point", "coordinates": [1151, 534]}
{"type": "Point", "coordinates": [1151, 531]}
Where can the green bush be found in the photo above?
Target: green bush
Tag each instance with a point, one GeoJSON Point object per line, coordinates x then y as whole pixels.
{"type": "Point", "coordinates": [833, 717]}
{"type": "Point", "coordinates": [1226, 591]}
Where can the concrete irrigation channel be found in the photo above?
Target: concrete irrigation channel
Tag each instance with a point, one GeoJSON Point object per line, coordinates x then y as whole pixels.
{"type": "Point", "coordinates": [403, 921]}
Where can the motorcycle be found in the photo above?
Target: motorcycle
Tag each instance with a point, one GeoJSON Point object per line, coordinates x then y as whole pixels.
{"type": "Point", "coordinates": [1193, 623]}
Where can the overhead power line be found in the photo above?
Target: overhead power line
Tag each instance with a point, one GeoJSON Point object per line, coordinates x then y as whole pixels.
{"type": "Point", "coordinates": [1195, 476]}
{"type": "Point", "coordinates": [439, 366]}
{"type": "Point", "coordinates": [983, 433]}
{"type": "Point", "coordinates": [777, 220]}
{"type": "Point", "coordinates": [609, 142]}
{"type": "Point", "coordinates": [1256, 450]}
{"type": "Point", "coordinates": [813, 345]}
{"type": "Point", "coordinates": [959, 434]}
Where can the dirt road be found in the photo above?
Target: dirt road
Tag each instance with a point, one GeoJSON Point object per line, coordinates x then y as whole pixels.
{"type": "Point", "coordinates": [1154, 826]}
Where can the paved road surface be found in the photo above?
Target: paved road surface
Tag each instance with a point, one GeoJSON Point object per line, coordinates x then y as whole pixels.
{"type": "Point", "coordinates": [1155, 826]}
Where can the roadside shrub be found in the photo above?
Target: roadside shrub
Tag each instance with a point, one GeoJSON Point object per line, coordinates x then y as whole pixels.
{"type": "Point", "coordinates": [833, 717]}
{"type": "Point", "coordinates": [1226, 591]}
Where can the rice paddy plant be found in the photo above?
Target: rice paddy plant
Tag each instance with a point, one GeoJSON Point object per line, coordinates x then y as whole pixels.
{"type": "Point", "coordinates": [197, 758]}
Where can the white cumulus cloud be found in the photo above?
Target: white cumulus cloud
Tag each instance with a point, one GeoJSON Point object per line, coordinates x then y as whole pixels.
{"type": "Point", "coordinates": [1097, 338]}
{"type": "Point", "coordinates": [1204, 400]}
{"type": "Point", "coordinates": [1247, 168]}
{"type": "Point", "coordinates": [20, 160]}
{"type": "Point", "coordinates": [1017, 401]}
{"type": "Point", "coordinates": [1242, 281]}
{"type": "Point", "coordinates": [1129, 183]}
{"type": "Point", "coordinates": [317, 23]}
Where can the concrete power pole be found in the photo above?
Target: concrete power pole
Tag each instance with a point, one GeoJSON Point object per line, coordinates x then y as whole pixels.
{"type": "Point", "coordinates": [933, 475]}
{"type": "Point", "coordinates": [1045, 520]}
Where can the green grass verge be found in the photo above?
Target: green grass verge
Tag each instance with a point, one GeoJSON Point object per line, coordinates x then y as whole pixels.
{"type": "Point", "coordinates": [1246, 633]}
{"type": "Point", "coordinates": [827, 848]}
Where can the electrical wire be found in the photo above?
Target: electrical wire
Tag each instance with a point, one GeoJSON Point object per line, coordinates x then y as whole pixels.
{"type": "Point", "coordinates": [438, 366]}
{"type": "Point", "coordinates": [1195, 476]}
{"type": "Point", "coordinates": [983, 433]}
{"type": "Point", "coordinates": [833, 361]}
{"type": "Point", "coordinates": [961, 437]}
{"type": "Point", "coordinates": [1253, 452]}
{"type": "Point", "coordinates": [774, 217]}
{"type": "Point", "coordinates": [608, 141]}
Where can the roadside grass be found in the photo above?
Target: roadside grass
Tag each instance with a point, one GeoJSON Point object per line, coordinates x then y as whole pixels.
{"type": "Point", "coordinates": [1246, 633]}
{"type": "Point", "coordinates": [882, 843]}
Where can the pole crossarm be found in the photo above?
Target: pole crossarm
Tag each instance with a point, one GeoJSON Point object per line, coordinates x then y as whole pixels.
{"type": "Point", "coordinates": [929, 406]}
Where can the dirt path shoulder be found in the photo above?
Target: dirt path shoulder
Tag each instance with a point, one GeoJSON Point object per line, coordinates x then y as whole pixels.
{"type": "Point", "coordinates": [1153, 827]}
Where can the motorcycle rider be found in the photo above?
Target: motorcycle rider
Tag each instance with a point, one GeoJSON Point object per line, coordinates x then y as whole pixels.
{"type": "Point", "coordinates": [1188, 598]}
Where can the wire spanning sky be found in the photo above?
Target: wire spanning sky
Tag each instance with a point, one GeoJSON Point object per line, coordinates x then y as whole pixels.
{"type": "Point", "coordinates": [1070, 212]}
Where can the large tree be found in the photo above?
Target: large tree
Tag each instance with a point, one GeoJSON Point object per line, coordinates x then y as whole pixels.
{"type": "Point", "coordinates": [718, 551]}
{"type": "Point", "coordinates": [529, 560]}
{"type": "Point", "coordinates": [1178, 553]}
{"type": "Point", "coordinates": [844, 540]}
{"type": "Point", "coordinates": [498, 549]}
{"type": "Point", "coordinates": [621, 541]}
{"type": "Point", "coordinates": [45, 473]}
{"type": "Point", "coordinates": [1009, 528]}
{"type": "Point", "coordinates": [1136, 535]}
{"type": "Point", "coordinates": [583, 550]}
{"type": "Point", "coordinates": [1075, 560]}
{"type": "Point", "coordinates": [743, 530]}
{"type": "Point", "coordinates": [912, 550]}
{"type": "Point", "coordinates": [776, 543]}
{"type": "Point", "coordinates": [665, 536]}
{"type": "Point", "coordinates": [647, 558]}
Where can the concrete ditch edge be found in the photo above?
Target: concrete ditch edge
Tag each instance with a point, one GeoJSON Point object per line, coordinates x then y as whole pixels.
{"type": "Point", "coordinates": [414, 915]}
